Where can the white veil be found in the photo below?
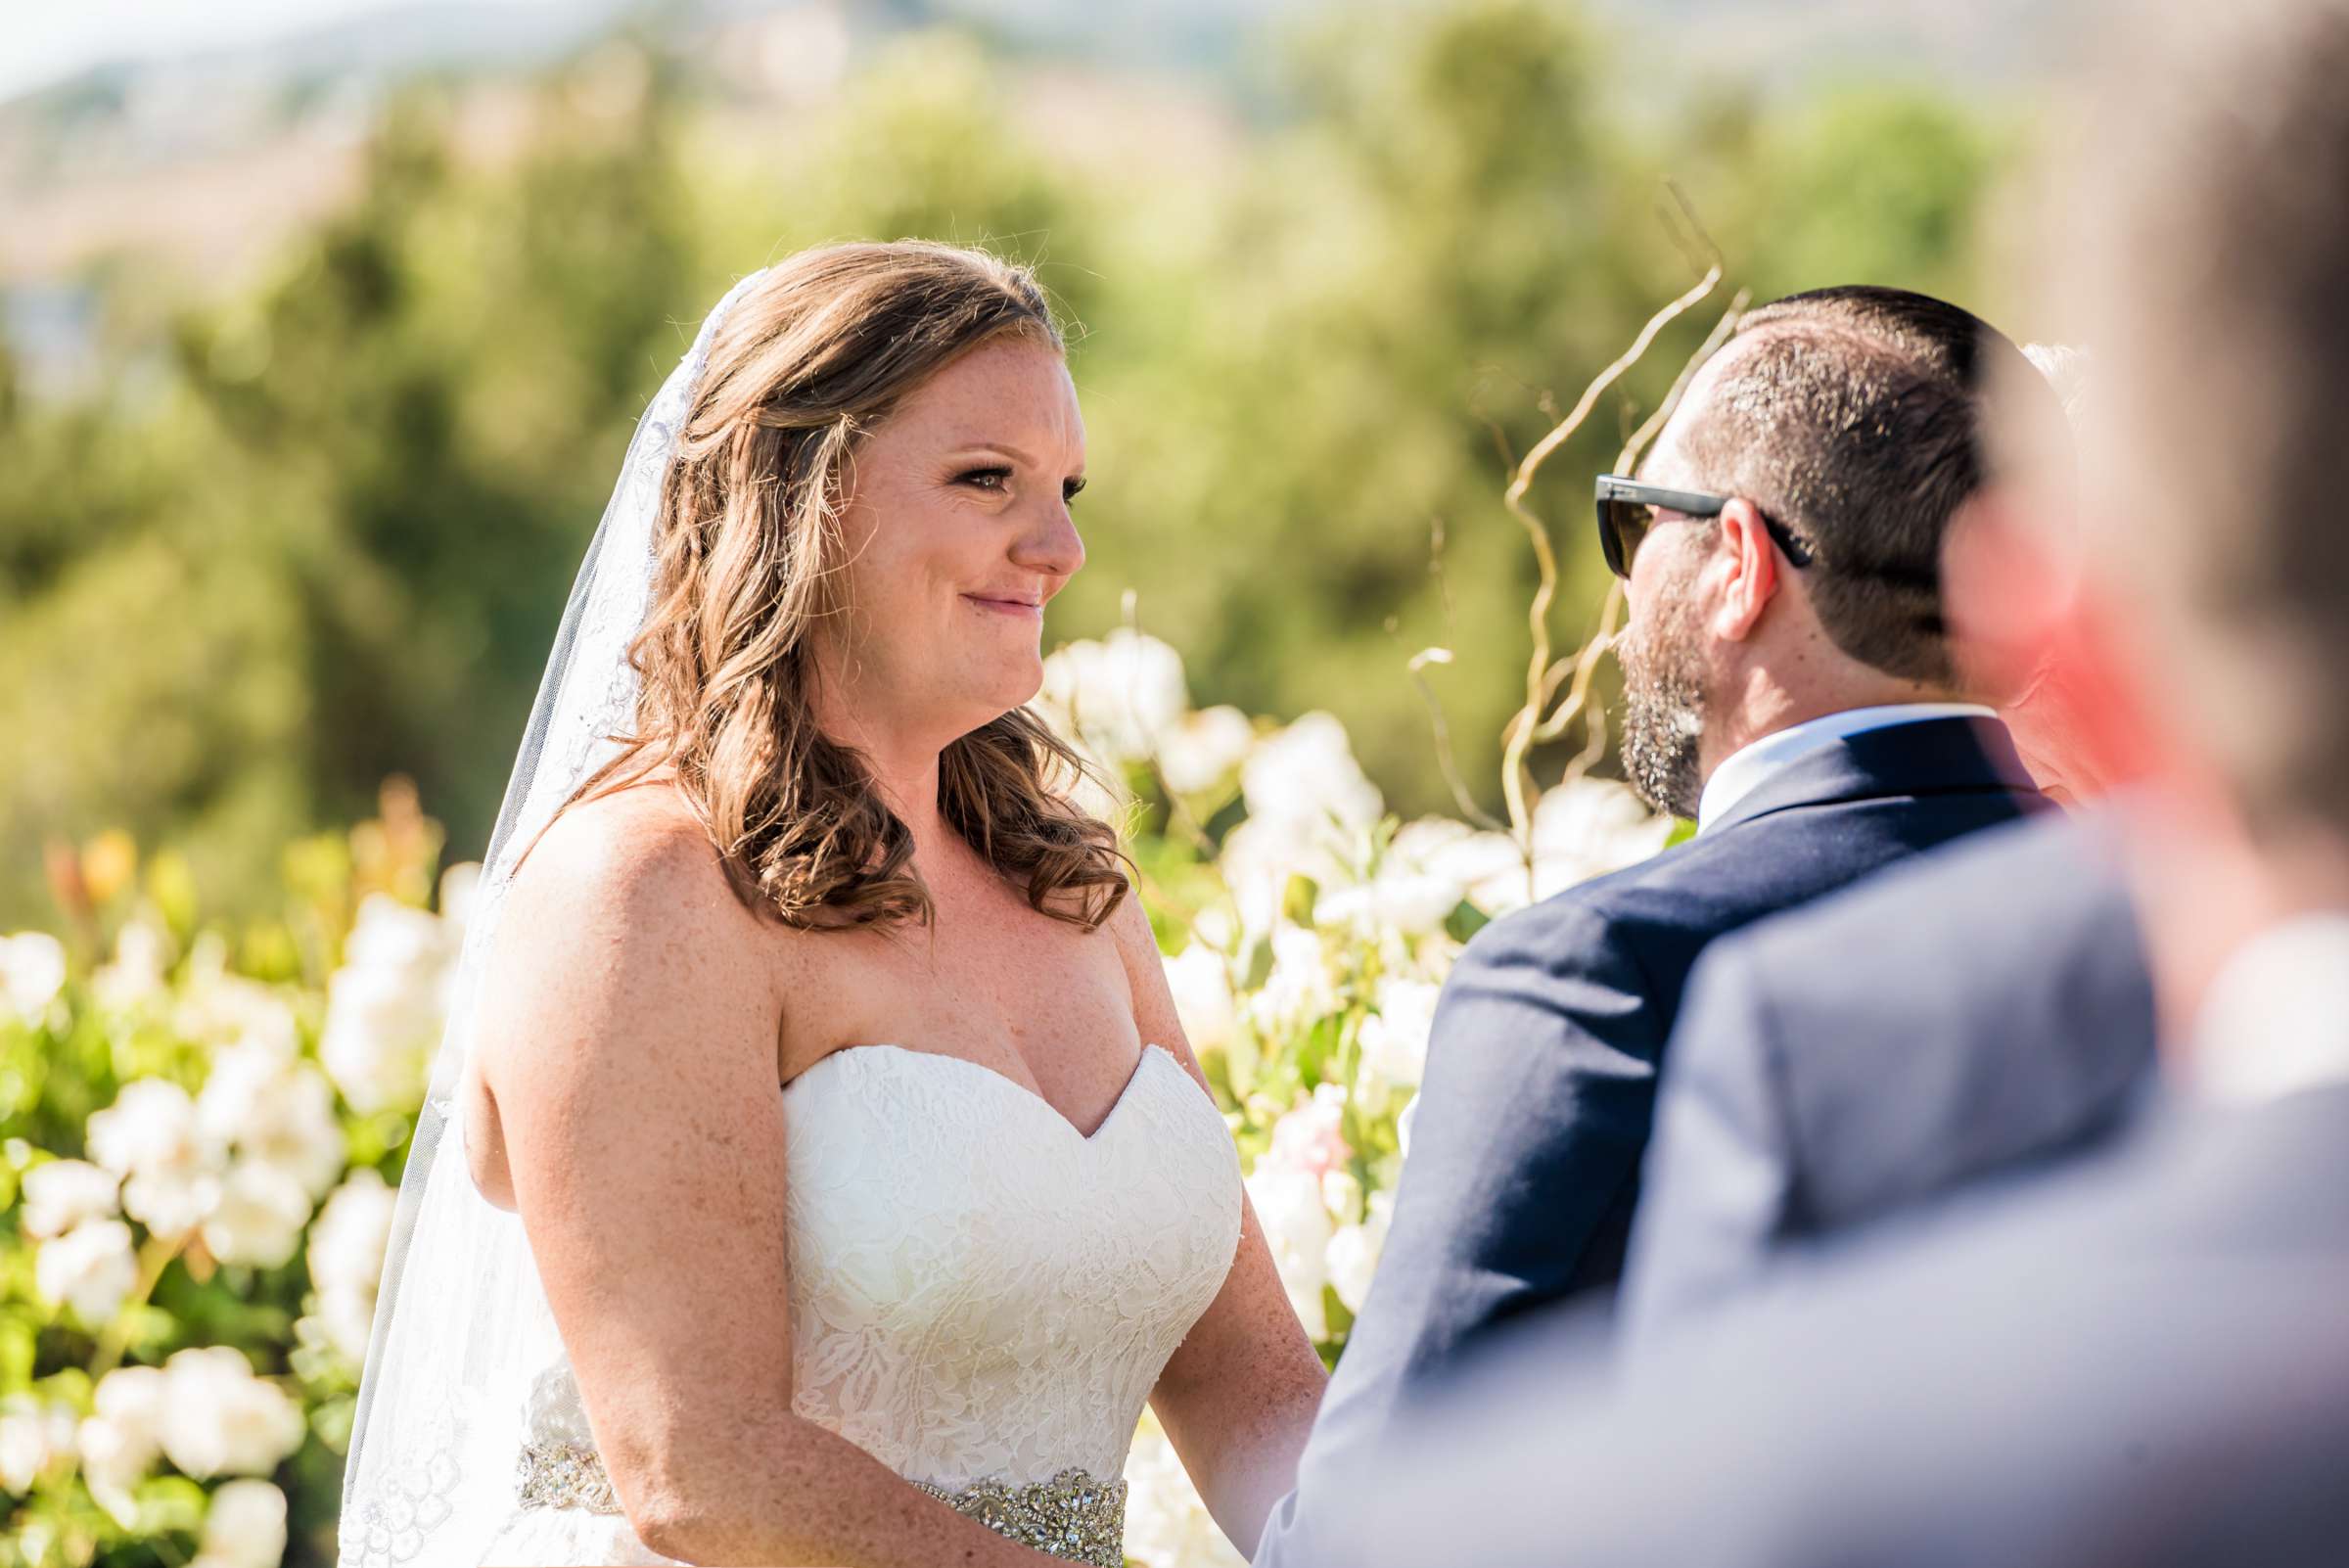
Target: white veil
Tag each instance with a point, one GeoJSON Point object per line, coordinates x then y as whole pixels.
{"type": "Point", "coordinates": [461, 1322]}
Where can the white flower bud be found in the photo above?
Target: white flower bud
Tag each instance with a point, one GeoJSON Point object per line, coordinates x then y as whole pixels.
{"type": "Point", "coordinates": [90, 1267]}
{"type": "Point", "coordinates": [33, 1436]}
{"type": "Point", "coordinates": [1200, 980]}
{"type": "Point", "coordinates": [150, 1127]}
{"type": "Point", "coordinates": [260, 1217]}
{"type": "Point", "coordinates": [221, 1419]}
{"type": "Point", "coordinates": [346, 1258]}
{"type": "Point", "coordinates": [33, 970]}
{"type": "Point", "coordinates": [1202, 750]}
{"type": "Point", "coordinates": [385, 1005]}
{"type": "Point", "coordinates": [244, 1528]}
{"type": "Point", "coordinates": [1395, 1037]}
{"type": "Point", "coordinates": [62, 1193]}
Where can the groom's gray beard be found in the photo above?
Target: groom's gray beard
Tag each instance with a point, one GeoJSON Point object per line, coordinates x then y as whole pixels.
{"type": "Point", "coordinates": [1663, 716]}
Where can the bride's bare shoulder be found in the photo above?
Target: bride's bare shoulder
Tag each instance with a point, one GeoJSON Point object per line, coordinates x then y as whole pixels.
{"type": "Point", "coordinates": [620, 850]}
{"type": "Point", "coordinates": [621, 951]}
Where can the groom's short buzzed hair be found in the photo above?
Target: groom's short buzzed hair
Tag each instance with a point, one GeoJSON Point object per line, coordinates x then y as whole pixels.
{"type": "Point", "coordinates": [1856, 417]}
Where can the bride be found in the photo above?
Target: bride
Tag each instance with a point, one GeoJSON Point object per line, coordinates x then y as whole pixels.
{"type": "Point", "coordinates": [837, 1184]}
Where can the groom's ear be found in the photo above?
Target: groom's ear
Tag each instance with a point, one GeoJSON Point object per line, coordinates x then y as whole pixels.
{"type": "Point", "coordinates": [1745, 569]}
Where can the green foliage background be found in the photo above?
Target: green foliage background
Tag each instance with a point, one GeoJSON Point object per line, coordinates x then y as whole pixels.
{"type": "Point", "coordinates": [324, 535]}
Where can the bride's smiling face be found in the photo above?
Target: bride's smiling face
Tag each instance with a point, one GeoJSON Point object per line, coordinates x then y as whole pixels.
{"type": "Point", "coordinates": [955, 531]}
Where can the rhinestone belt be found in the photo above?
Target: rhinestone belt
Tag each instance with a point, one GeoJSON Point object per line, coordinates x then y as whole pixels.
{"type": "Point", "coordinates": [1072, 1516]}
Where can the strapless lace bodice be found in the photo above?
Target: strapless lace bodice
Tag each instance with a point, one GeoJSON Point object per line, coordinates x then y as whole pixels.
{"type": "Point", "coordinates": [980, 1296]}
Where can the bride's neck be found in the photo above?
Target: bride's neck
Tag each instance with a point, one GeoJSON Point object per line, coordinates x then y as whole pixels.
{"type": "Point", "coordinates": [903, 767]}
{"type": "Point", "coordinates": [909, 785]}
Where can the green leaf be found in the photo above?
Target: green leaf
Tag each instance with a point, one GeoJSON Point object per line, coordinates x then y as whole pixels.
{"type": "Point", "coordinates": [1298, 898]}
{"type": "Point", "coordinates": [18, 1341]}
{"type": "Point", "coordinates": [170, 1504]}
{"type": "Point", "coordinates": [1466, 921]}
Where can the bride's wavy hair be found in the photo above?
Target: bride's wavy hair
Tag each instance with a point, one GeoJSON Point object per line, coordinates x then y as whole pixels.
{"type": "Point", "coordinates": [749, 546]}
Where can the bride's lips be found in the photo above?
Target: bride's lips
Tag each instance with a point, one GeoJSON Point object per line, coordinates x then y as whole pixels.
{"type": "Point", "coordinates": [1026, 608]}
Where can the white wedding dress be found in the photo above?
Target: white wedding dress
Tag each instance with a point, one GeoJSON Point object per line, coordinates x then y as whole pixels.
{"type": "Point", "coordinates": [981, 1297]}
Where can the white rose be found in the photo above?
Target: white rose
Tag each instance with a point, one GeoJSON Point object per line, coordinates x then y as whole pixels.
{"type": "Point", "coordinates": [381, 1028]}
{"type": "Point", "coordinates": [1256, 863]}
{"type": "Point", "coordinates": [1353, 1252]}
{"type": "Point", "coordinates": [1341, 1196]}
{"type": "Point", "coordinates": [1304, 778]}
{"type": "Point", "coordinates": [173, 1201]}
{"type": "Point", "coordinates": [151, 1127]}
{"type": "Point", "coordinates": [1167, 1525]}
{"type": "Point", "coordinates": [1487, 867]}
{"type": "Point", "coordinates": [1395, 1038]}
{"type": "Point", "coordinates": [62, 1193]}
{"type": "Point", "coordinates": [113, 1461]}
{"type": "Point", "coordinates": [1587, 828]}
{"type": "Point", "coordinates": [342, 1320]}
{"type": "Point", "coordinates": [152, 1136]}
{"type": "Point", "coordinates": [1203, 749]}
{"type": "Point", "coordinates": [385, 1008]}
{"type": "Point", "coordinates": [353, 1229]}
{"type": "Point", "coordinates": [1299, 989]}
{"type": "Point", "coordinates": [142, 953]}
{"type": "Point", "coordinates": [244, 1528]}
{"type": "Point", "coordinates": [1427, 867]}
{"type": "Point", "coordinates": [1401, 900]}
{"type": "Point", "coordinates": [90, 1267]}
{"type": "Point", "coordinates": [275, 1108]}
{"type": "Point", "coordinates": [1201, 983]}
{"type": "Point", "coordinates": [260, 1217]}
{"type": "Point", "coordinates": [347, 1258]}
{"type": "Point", "coordinates": [33, 970]}
{"type": "Point", "coordinates": [118, 1443]}
{"type": "Point", "coordinates": [223, 1419]}
{"type": "Point", "coordinates": [460, 884]}
{"type": "Point", "coordinates": [33, 1435]}
{"type": "Point", "coordinates": [218, 1008]}
{"type": "Point", "coordinates": [1119, 695]}
{"type": "Point", "coordinates": [1297, 1228]}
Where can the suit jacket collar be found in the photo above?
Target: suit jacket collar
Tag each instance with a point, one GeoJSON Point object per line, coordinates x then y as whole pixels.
{"type": "Point", "coordinates": [1931, 757]}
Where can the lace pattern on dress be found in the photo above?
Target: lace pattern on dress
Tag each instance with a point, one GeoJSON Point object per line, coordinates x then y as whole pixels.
{"type": "Point", "coordinates": [982, 1297]}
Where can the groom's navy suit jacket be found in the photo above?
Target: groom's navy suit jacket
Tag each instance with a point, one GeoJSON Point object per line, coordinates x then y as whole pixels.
{"type": "Point", "coordinates": [1980, 1008]}
{"type": "Point", "coordinates": [1540, 1078]}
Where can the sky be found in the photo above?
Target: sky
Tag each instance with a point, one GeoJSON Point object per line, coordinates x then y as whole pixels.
{"type": "Point", "coordinates": [50, 41]}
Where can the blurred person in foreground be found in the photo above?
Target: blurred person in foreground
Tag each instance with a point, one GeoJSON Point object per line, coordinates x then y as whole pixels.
{"type": "Point", "coordinates": [1790, 685]}
{"type": "Point", "coordinates": [2142, 1359]}
{"type": "Point", "coordinates": [1980, 1009]}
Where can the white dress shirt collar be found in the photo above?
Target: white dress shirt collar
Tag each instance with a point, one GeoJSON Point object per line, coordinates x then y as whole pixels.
{"type": "Point", "coordinates": [1745, 769]}
{"type": "Point", "coordinates": [2276, 1019]}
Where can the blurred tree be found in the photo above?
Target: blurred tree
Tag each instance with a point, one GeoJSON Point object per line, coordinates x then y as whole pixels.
{"type": "Point", "coordinates": [326, 538]}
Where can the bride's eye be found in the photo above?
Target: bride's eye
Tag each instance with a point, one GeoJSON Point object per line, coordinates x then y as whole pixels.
{"type": "Point", "coordinates": [985, 479]}
{"type": "Point", "coordinates": [1070, 491]}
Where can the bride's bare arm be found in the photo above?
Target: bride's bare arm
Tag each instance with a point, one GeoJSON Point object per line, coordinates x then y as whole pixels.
{"type": "Point", "coordinates": [1238, 1398]}
{"type": "Point", "coordinates": [630, 1046]}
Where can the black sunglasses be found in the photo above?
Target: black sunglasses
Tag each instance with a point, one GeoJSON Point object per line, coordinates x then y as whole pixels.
{"type": "Point", "coordinates": [1626, 511]}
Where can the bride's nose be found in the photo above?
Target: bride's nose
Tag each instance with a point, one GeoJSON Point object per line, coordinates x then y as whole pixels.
{"type": "Point", "coordinates": [1049, 542]}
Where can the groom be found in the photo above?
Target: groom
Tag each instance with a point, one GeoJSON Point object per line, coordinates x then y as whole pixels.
{"type": "Point", "coordinates": [1788, 685]}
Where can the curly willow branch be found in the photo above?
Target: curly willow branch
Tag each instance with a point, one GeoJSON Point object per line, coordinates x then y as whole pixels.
{"type": "Point", "coordinates": [1526, 726]}
{"type": "Point", "coordinates": [1585, 663]}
